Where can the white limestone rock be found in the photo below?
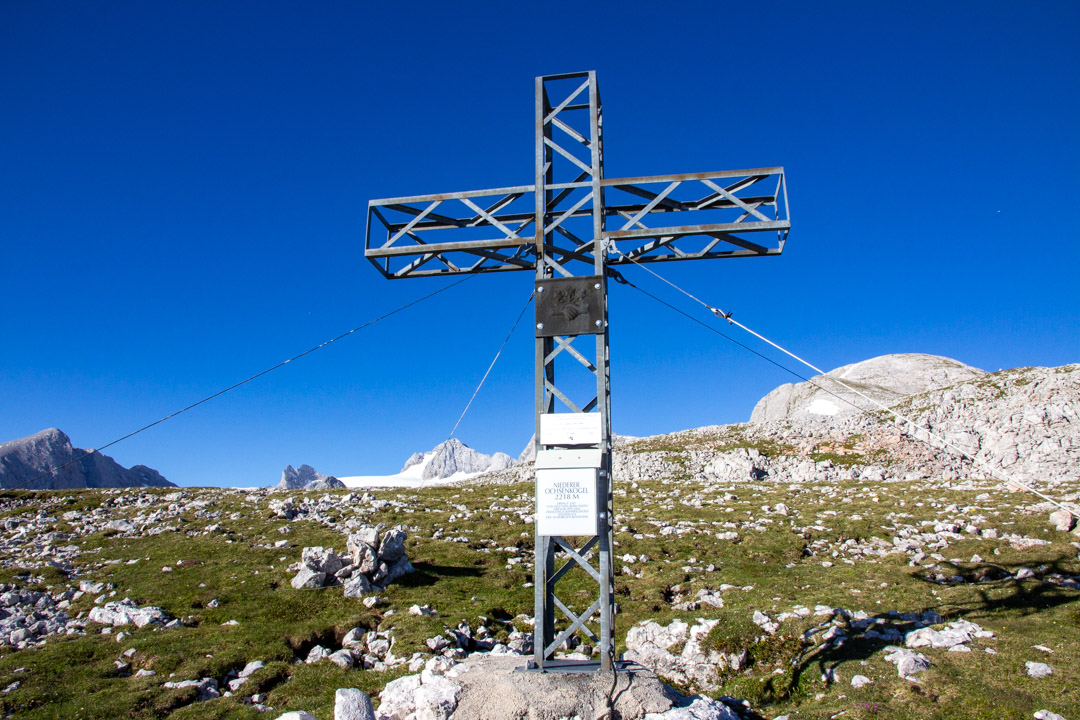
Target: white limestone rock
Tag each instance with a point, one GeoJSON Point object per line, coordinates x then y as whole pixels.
{"type": "Point", "coordinates": [352, 704]}
{"type": "Point", "coordinates": [1062, 520]}
{"type": "Point", "coordinates": [321, 559]}
{"type": "Point", "coordinates": [1047, 715]}
{"type": "Point", "coordinates": [907, 662]}
{"type": "Point", "coordinates": [1038, 669]}
{"type": "Point", "coordinates": [397, 700]}
{"type": "Point", "coordinates": [699, 708]}
{"type": "Point", "coordinates": [859, 680]}
{"type": "Point", "coordinates": [308, 578]}
{"type": "Point", "coordinates": [437, 698]}
{"type": "Point", "coordinates": [650, 643]}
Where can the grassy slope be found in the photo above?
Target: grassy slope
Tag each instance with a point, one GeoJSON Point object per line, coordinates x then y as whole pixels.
{"type": "Point", "coordinates": [75, 677]}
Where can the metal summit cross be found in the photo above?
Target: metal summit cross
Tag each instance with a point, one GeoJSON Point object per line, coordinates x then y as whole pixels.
{"type": "Point", "coordinates": [568, 227]}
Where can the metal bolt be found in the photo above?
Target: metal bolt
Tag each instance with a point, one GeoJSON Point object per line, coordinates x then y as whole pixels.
{"type": "Point", "coordinates": [599, 323]}
{"type": "Point", "coordinates": [597, 286]}
{"type": "Point", "coordinates": [539, 326]}
{"type": "Point", "coordinates": [540, 289]}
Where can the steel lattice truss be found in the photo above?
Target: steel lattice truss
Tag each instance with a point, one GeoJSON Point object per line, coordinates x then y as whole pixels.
{"type": "Point", "coordinates": [495, 230]}
{"type": "Point", "coordinates": [650, 219]}
{"type": "Point", "coordinates": [568, 227]}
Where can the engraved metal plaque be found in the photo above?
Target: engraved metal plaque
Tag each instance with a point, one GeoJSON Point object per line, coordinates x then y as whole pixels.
{"type": "Point", "coordinates": [570, 306]}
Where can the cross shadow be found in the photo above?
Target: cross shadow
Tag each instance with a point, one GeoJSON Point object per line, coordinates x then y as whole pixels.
{"type": "Point", "coordinates": [425, 574]}
{"type": "Point", "coordinates": [996, 589]}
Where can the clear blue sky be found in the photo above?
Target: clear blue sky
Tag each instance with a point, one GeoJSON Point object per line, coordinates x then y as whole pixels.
{"type": "Point", "coordinates": [183, 190]}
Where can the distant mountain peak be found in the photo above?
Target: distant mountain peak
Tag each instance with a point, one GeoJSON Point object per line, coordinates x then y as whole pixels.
{"type": "Point", "coordinates": [306, 477]}
{"type": "Point", "coordinates": [453, 456]}
{"type": "Point", "coordinates": [26, 458]}
{"type": "Point", "coordinates": [886, 379]}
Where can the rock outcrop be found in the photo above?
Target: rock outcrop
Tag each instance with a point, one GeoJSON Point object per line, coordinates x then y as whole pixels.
{"type": "Point", "coordinates": [371, 564]}
{"type": "Point", "coordinates": [307, 478]}
{"type": "Point", "coordinates": [25, 459]}
{"type": "Point", "coordinates": [675, 652]}
{"type": "Point", "coordinates": [887, 379]}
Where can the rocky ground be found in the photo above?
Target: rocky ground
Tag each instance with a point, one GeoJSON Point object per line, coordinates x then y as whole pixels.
{"type": "Point", "coordinates": [803, 569]}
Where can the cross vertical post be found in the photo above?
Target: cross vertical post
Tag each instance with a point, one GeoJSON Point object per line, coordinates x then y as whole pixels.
{"type": "Point", "coordinates": [569, 176]}
{"type": "Point", "coordinates": [581, 224]}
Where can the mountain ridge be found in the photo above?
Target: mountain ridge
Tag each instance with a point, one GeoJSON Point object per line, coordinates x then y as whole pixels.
{"type": "Point", "coordinates": [885, 378]}
{"type": "Point", "coordinates": [29, 457]}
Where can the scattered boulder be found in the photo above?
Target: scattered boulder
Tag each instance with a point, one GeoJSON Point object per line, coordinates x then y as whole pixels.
{"type": "Point", "coordinates": [907, 662]}
{"type": "Point", "coordinates": [696, 708]}
{"type": "Point", "coordinates": [126, 611]}
{"type": "Point", "coordinates": [956, 633]}
{"type": "Point", "coordinates": [1062, 520]}
{"type": "Point", "coordinates": [1047, 715]}
{"type": "Point", "coordinates": [1038, 669]}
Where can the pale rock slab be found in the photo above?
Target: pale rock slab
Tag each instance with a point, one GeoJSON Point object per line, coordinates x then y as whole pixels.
{"type": "Point", "coordinates": [700, 708]}
{"type": "Point", "coordinates": [907, 662]}
{"type": "Point", "coordinates": [352, 704]}
{"type": "Point", "coordinates": [1038, 669]}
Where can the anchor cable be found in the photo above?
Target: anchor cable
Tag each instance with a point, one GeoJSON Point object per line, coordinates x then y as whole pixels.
{"type": "Point", "coordinates": [486, 373]}
{"type": "Point", "coordinates": [945, 444]}
{"type": "Point", "coordinates": [622, 280]}
{"type": "Point", "coordinates": [257, 375]}
{"type": "Point", "coordinates": [492, 365]}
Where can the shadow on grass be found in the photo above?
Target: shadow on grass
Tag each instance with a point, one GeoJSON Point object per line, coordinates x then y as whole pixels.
{"type": "Point", "coordinates": [996, 590]}
{"type": "Point", "coordinates": [428, 574]}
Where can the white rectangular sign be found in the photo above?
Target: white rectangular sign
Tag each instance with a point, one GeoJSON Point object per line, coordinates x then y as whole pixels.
{"type": "Point", "coordinates": [570, 428]}
{"type": "Point", "coordinates": [566, 501]}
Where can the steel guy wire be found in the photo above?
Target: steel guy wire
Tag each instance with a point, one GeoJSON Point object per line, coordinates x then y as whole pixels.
{"type": "Point", "coordinates": [487, 372]}
{"type": "Point", "coordinates": [492, 365]}
{"type": "Point", "coordinates": [219, 393]}
{"type": "Point", "coordinates": [620, 279]}
{"type": "Point", "coordinates": [945, 444]}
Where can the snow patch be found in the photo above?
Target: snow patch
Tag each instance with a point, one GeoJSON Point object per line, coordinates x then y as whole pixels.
{"type": "Point", "coordinates": [821, 406]}
{"type": "Point", "coordinates": [411, 476]}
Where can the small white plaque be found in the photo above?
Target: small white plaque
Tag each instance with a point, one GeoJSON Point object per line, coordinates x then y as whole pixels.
{"type": "Point", "coordinates": [570, 428]}
{"type": "Point", "coordinates": [566, 501]}
{"type": "Point", "coordinates": [563, 458]}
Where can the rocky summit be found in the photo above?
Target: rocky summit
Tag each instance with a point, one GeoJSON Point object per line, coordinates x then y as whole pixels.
{"type": "Point", "coordinates": [887, 379]}
{"type": "Point", "coordinates": [452, 457]}
{"type": "Point", "coordinates": [23, 460]}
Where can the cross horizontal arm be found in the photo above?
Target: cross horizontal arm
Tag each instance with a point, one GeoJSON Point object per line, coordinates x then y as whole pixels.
{"type": "Point", "coordinates": [494, 230]}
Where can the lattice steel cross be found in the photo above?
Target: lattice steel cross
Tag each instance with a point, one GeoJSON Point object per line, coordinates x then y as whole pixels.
{"type": "Point", "coordinates": [567, 227]}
